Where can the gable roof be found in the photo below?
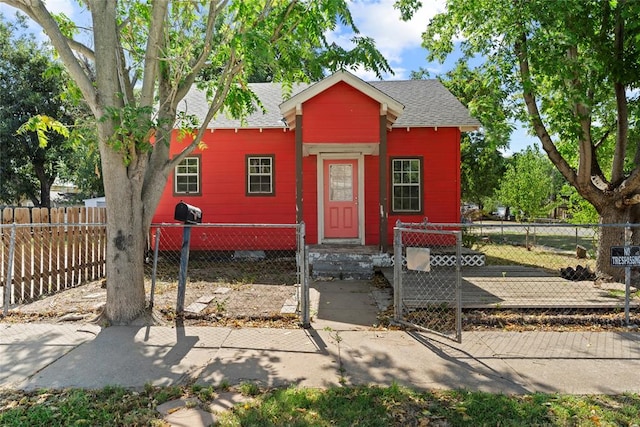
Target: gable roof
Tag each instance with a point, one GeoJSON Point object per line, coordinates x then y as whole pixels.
{"type": "Point", "coordinates": [290, 107]}
{"type": "Point", "coordinates": [415, 103]}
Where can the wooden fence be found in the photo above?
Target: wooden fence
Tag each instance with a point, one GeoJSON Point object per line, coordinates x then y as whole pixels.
{"type": "Point", "coordinates": [52, 250]}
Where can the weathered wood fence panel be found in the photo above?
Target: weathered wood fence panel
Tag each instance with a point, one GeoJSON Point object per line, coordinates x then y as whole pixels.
{"type": "Point", "coordinates": [52, 249]}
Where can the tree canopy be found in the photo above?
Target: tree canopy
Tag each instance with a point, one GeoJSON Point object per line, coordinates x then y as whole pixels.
{"type": "Point", "coordinates": [32, 108]}
{"type": "Point", "coordinates": [482, 164]}
{"type": "Point", "coordinates": [144, 59]}
{"type": "Point", "coordinates": [527, 186]}
{"type": "Point", "coordinates": [571, 70]}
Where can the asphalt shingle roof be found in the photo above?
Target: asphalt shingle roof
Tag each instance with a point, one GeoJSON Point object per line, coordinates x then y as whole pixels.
{"type": "Point", "coordinates": [427, 104]}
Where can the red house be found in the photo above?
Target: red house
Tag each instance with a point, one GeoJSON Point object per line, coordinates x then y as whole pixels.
{"type": "Point", "coordinates": [345, 156]}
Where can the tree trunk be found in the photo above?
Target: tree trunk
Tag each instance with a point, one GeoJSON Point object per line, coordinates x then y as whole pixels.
{"type": "Point", "coordinates": [125, 267]}
{"type": "Point", "coordinates": [609, 236]}
{"type": "Point", "coordinates": [126, 242]}
{"type": "Point", "coordinates": [126, 236]}
{"type": "Point", "coordinates": [45, 184]}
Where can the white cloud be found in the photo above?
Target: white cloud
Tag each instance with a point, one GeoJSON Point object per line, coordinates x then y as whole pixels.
{"type": "Point", "coordinates": [379, 20]}
{"type": "Point", "coordinates": [68, 7]}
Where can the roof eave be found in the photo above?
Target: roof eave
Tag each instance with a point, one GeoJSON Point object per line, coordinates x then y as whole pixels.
{"type": "Point", "coordinates": [462, 127]}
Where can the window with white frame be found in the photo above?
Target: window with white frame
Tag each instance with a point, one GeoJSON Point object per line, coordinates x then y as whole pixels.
{"type": "Point", "coordinates": [187, 176]}
{"type": "Point", "coordinates": [260, 175]}
{"type": "Point", "coordinates": [406, 186]}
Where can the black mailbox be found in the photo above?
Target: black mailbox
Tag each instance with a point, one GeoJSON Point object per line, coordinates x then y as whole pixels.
{"type": "Point", "coordinates": [187, 213]}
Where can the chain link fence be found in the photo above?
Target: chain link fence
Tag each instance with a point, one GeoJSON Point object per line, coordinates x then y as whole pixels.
{"type": "Point", "coordinates": [525, 273]}
{"type": "Point", "coordinates": [540, 274]}
{"type": "Point", "coordinates": [248, 272]}
{"type": "Point", "coordinates": [234, 272]}
{"type": "Point", "coordinates": [427, 279]}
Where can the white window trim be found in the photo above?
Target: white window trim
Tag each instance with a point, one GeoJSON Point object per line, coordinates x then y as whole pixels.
{"type": "Point", "coordinates": [394, 185]}
{"type": "Point", "coordinates": [270, 175]}
{"type": "Point", "coordinates": [197, 174]}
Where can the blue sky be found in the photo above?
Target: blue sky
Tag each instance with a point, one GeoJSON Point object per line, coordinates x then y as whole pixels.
{"type": "Point", "coordinates": [399, 41]}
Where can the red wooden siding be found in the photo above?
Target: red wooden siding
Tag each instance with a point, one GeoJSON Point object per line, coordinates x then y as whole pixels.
{"type": "Point", "coordinates": [340, 114]}
{"type": "Point", "coordinates": [223, 181]}
{"type": "Point", "coordinates": [441, 172]}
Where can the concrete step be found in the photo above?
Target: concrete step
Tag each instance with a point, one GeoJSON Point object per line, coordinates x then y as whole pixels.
{"type": "Point", "coordinates": [343, 270]}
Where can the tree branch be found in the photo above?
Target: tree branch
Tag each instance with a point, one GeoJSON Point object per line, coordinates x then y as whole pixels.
{"type": "Point", "coordinates": [583, 116]}
{"type": "Point", "coordinates": [617, 167]}
{"type": "Point", "coordinates": [158, 17]}
{"type": "Point", "coordinates": [201, 62]}
{"type": "Point", "coordinates": [601, 140]}
{"type": "Point", "coordinates": [81, 48]}
{"type": "Point", "coordinates": [231, 69]}
{"type": "Point", "coordinates": [534, 113]}
{"type": "Point", "coordinates": [37, 11]}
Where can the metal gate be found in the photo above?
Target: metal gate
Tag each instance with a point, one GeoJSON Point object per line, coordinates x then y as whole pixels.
{"type": "Point", "coordinates": [427, 279]}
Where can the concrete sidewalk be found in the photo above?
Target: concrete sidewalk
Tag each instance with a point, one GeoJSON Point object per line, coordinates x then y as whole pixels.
{"type": "Point", "coordinates": [57, 356]}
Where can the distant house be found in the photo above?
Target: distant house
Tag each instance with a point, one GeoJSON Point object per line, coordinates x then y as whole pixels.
{"type": "Point", "coordinates": [95, 202]}
{"type": "Point", "coordinates": [345, 156]}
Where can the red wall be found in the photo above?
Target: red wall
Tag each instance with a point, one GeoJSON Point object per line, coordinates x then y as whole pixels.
{"type": "Point", "coordinates": [440, 150]}
{"type": "Point", "coordinates": [340, 114]}
{"type": "Point", "coordinates": [223, 181]}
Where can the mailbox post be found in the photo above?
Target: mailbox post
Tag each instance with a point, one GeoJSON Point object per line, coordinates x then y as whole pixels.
{"type": "Point", "coordinates": [189, 215]}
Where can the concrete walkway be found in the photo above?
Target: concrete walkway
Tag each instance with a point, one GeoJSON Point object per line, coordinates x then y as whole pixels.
{"type": "Point", "coordinates": [36, 356]}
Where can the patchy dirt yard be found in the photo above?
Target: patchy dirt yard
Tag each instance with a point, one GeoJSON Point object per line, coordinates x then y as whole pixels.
{"type": "Point", "coordinates": [220, 293]}
{"type": "Point", "coordinates": [264, 295]}
{"type": "Point", "coordinates": [221, 303]}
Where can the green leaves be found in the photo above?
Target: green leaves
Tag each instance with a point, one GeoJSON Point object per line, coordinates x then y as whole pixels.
{"type": "Point", "coordinates": [42, 124]}
{"type": "Point", "coordinates": [527, 185]}
{"type": "Point", "coordinates": [568, 68]}
{"type": "Point", "coordinates": [35, 119]}
{"type": "Point", "coordinates": [134, 129]}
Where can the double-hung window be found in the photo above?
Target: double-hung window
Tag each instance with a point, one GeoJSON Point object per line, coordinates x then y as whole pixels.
{"type": "Point", "coordinates": [187, 176]}
{"type": "Point", "coordinates": [406, 185]}
{"type": "Point", "coordinates": [260, 175]}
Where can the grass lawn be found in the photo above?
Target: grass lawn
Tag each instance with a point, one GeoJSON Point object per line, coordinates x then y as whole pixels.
{"type": "Point", "coordinates": [340, 406]}
{"type": "Point", "coordinates": [536, 256]}
{"type": "Point", "coordinates": [567, 242]}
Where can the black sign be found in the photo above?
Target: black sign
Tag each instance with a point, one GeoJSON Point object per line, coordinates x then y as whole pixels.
{"type": "Point", "coordinates": [625, 256]}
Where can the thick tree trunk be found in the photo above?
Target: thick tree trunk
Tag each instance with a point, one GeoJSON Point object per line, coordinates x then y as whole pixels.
{"type": "Point", "coordinates": [125, 267]}
{"type": "Point", "coordinates": [126, 235]}
{"type": "Point", "coordinates": [609, 236]}
{"type": "Point", "coordinates": [126, 242]}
